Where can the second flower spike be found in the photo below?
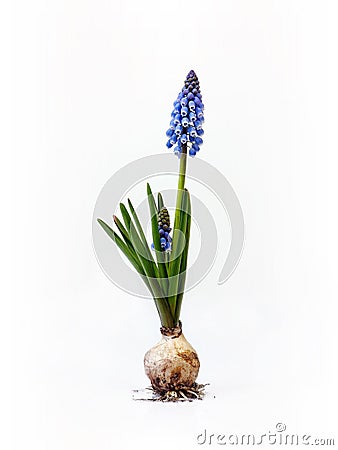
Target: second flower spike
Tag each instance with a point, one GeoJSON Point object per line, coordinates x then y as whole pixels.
{"type": "Point", "coordinates": [163, 220]}
{"type": "Point", "coordinates": [164, 228]}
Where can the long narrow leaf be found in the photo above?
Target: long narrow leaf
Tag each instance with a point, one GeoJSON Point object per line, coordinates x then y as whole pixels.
{"type": "Point", "coordinates": [184, 260]}
{"type": "Point", "coordinates": [123, 231]}
{"type": "Point", "coordinates": [146, 269]}
{"type": "Point", "coordinates": [160, 202]}
{"type": "Point", "coordinates": [127, 240]}
{"type": "Point", "coordinates": [152, 275]}
{"type": "Point", "coordinates": [125, 215]}
{"type": "Point", "coordinates": [122, 246]}
{"type": "Point", "coordinates": [141, 233]}
{"type": "Point", "coordinates": [148, 266]}
{"type": "Point", "coordinates": [178, 251]}
{"type": "Point", "coordinates": [177, 247]}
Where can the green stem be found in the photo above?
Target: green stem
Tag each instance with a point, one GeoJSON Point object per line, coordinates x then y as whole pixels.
{"type": "Point", "coordinates": [180, 187]}
{"type": "Point", "coordinates": [183, 268]}
{"type": "Point", "coordinates": [183, 168]}
{"type": "Point", "coordinates": [173, 281]}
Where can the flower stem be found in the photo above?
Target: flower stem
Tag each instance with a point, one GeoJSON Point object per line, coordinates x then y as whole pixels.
{"type": "Point", "coordinates": [173, 289]}
{"type": "Point", "coordinates": [180, 187]}
{"type": "Point", "coordinates": [183, 168]}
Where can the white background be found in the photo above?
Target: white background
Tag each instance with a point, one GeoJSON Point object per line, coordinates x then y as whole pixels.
{"type": "Point", "coordinates": [93, 86]}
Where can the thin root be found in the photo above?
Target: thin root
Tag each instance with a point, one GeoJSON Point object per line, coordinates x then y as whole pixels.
{"type": "Point", "coordinates": [195, 392]}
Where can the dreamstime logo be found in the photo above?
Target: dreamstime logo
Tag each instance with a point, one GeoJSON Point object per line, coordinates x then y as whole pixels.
{"type": "Point", "coordinates": [277, 437]}
{"type": "Point", "coordinates": [143, 169]}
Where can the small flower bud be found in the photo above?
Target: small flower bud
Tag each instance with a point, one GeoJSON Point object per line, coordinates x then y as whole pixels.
{"type": "Point", "coordinates": [192, 131]}
{"type": "Point", "coordinates": [163, 242]}
{"type": "Point", "coordinates": [184, 101]}
{"type": "Point", "coordinates": [177, 109]}
{"type": "Point", "coordinates": [192, 116]}
{"type": "Point", "coordinates": [185, 122]}
{"type": "Point", "coordinates": [192, 105]}
{"type": "Point", "coordinates": [178, 130]}
{"type": "Point", "coordinates": [173, 139]}
{"type": "Point", "coordinates": [184, 111]}
{"type": "Point", "coordinates": [198, 101]}
{"type": "Point", "coordinates": [177, 119]}
{"type": "Point", "coordinates": [199, 112]}
{"type": "Point", "coordinates": [198, 125]}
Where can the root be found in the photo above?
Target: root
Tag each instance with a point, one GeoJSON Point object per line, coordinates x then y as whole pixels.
{"type": "Point", "coordinates": [195, 392]}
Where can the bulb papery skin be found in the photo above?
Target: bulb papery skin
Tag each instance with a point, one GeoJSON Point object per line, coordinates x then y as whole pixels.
{"type": "Point", "coordinates": [172, 364]}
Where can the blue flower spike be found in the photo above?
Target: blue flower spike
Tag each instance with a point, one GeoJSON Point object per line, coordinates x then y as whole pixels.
{"type": "Point", "coordinates": [187, 118]}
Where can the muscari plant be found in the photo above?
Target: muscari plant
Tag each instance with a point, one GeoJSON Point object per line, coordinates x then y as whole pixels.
{"type": "Point", "coordinates": [172, 365]}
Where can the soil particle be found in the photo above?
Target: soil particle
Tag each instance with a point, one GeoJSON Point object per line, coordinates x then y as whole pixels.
{"type": "Point", "coordinates": [190, 357]}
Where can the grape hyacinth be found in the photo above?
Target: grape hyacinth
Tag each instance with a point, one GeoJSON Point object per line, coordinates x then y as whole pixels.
{"type": "Point", "coordinates": [164, 229]}
{"type": "Point", "coordinates": [164, 270]}
{"type": "Point", "coordinates": [187, 118]}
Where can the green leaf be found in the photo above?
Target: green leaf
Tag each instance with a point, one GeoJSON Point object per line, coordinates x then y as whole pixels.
{"type": "Point", "coordinates": [160, 202]}
{"type": "Point", "coordinates": [123, 231]}
{"type": "Point", "coordinates": [177, 246]}
{"type": "Point", "coordinates": [151, 271]}
{"type": "Point", "coordinates": [141, 234]}
{"type": "Point", "coordinates": [149, 266]}
{"type": "Point", "coordinates": [122, 246]}
{"type": "Point", "coordinates": [127, 239]}
{"type": "Point", "coordinates": [134, 261]}
{"type": "Point", "coordinates": [146, 268]}
{"type": "Point", "coordinates": [184, 260]}
{"type": "Point", "coordinates": [125, 215]}
{"type": "Point", "coordinates": [178, 252]}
